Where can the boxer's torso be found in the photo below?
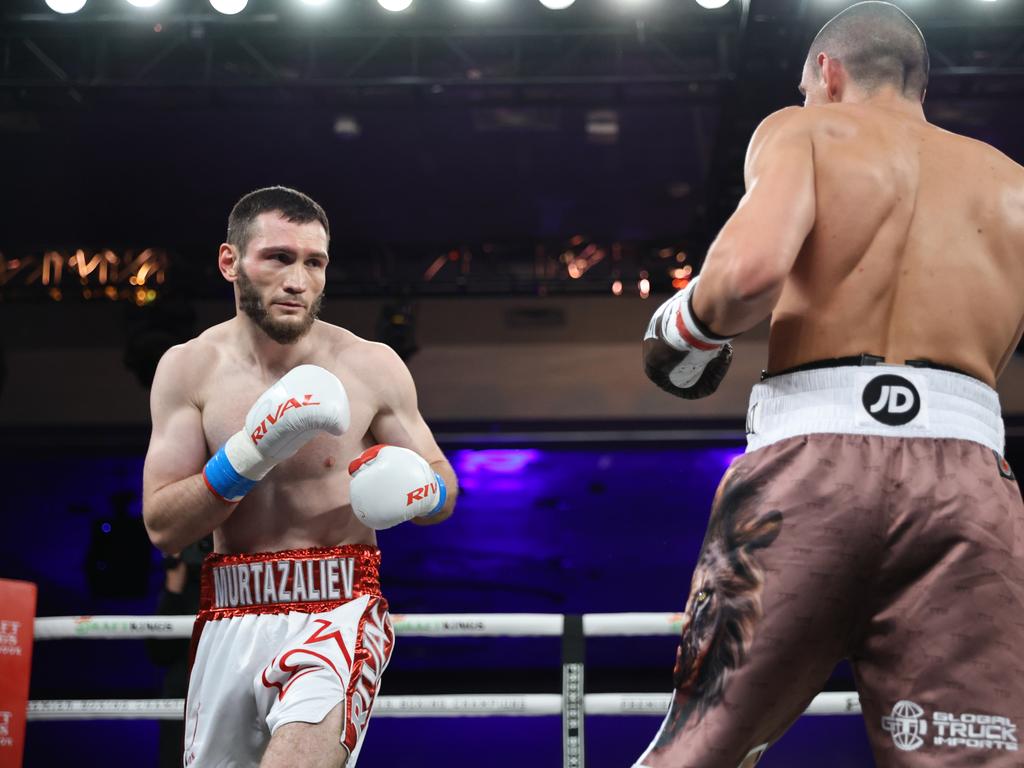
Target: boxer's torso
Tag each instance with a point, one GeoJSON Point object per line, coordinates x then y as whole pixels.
{"type": "Point", "coordinates": [304, 500]}
{"type": "Point", "coordinates": [917, 249]}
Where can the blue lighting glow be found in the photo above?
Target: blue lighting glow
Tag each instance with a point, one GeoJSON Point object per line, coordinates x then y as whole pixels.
{"type": "Point", "coordinates": [494, 461]}
{"type": "Point", "coordinates": [105, 527]}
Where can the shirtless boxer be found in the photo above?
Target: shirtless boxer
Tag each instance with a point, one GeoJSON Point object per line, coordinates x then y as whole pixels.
{"type": "Point", "coordinates": [873, 516]}
{"type": "Point", "coordinates": [293, 634]}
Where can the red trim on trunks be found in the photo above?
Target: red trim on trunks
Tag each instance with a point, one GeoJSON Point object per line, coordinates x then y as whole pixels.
{"type": "Point", "coordinates": [365, 579]}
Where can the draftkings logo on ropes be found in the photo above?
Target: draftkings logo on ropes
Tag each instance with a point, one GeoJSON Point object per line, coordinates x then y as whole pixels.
{"type": "Point", "coordinates": [909, 729]}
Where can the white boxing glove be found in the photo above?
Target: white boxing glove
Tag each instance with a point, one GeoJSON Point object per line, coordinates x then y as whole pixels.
{"type": "Point", "coordinates": [391, 485]}
{"type": "Point", "coordinates": [681, 354]}
{"type": "Point", "coordinates": [306, 400]}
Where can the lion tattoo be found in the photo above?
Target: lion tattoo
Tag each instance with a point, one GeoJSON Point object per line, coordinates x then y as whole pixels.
{"type": "Point", "coordinates": [724, 605]}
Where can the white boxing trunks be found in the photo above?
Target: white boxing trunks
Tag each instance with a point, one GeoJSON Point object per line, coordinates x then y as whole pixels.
{"type": "Point", "coordinates": [284, 637]}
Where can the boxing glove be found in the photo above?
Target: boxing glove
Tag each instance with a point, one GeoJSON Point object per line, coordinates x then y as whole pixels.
{"type": "Point", "coordinates": [681, 355]}
{"type": "Point", "coordinates": [391, 485]}
{"type": "Point", "coordinates": [305, 401]}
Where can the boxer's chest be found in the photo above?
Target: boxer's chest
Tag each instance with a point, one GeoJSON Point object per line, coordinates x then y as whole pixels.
{"type": "Point", "coordinates": [228, 396]}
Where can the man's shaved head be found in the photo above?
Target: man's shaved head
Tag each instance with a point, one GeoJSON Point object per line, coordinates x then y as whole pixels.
{"type": "Point", "coordinates": [878, 45]}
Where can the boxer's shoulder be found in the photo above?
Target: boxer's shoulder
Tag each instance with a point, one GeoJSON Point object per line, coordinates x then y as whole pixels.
{"type": "Point", "coordinates": [186, 365]}
{"type": "Point", "coordinates": [352, 357]}
{"type": "Point", "coordinates": [185, 370]}
{"type": "Point", "coordinates": [786, 129]}
{"type": "Point", "coordinates": [378, 363]}
{"type": "Point", "coordinates": [787, 122]}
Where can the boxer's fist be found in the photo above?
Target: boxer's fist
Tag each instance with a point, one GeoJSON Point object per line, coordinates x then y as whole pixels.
{"type": "Point", "coordinates": [305, 401]}
{"type": "Point", "coordinates": [680, 354]}
{"type": "Point", "coordinates": [391, 485]}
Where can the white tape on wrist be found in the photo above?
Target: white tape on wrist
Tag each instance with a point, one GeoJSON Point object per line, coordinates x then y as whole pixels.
{"type": "Point", "coordinates": [244, 457]}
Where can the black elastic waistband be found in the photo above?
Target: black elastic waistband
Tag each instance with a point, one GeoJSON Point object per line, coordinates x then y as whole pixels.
{"type": "Point", "coordinates": [864, 359]}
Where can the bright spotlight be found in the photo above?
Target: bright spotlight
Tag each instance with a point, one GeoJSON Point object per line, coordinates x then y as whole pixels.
{"type": "Point", "coordinates": [66, 6]}
{"type": "Point", "coordinates": [314, 2]}
{"type": "Point", "coordinates": [557, 5]}
{"type": "Point", "coordinates": [143, 3]}
{"type": "Point", "coordinates": [712, 4]}
{"type": "Point", "coordinates": [394, 5]}
{"type": "Point", "coordinates": [229, 7]}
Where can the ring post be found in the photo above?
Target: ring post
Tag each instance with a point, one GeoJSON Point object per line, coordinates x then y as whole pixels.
{"type": "Point", "coordinates": [572, 692]}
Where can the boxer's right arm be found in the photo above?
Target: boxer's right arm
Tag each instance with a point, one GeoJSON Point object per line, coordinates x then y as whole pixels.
{"type": "Point", "coordinates": [184, 499]}
{"type": "Point", "coordinates": [177, 507]}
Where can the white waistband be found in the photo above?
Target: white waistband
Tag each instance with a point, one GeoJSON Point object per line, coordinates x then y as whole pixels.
{"type": "Point", "coordinates": [886, 400]}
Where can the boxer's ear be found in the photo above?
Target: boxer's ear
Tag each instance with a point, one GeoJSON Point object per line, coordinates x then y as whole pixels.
{"type": "Point", "coordinates": [834, 76]}
{"type": "Point", "coordinates": [227, 260]}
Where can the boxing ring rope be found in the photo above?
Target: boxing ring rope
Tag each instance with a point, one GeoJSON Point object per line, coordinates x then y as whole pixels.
{"type": "Point", "coordinates": [452, 705]}
{"type": "Point", "coordinates": [406, 625]}
{"type": "Point", "coordinates": [572, 704]}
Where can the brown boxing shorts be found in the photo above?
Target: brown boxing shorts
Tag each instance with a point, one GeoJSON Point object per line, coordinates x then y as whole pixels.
{"type": "Point", "coordinates": [899, 546]}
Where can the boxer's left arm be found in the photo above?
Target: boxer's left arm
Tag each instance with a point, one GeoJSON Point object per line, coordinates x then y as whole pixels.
{"type": "Point", "coordinates": [398, 422]}
{"type": "Point", "coordinates": [748, 263]}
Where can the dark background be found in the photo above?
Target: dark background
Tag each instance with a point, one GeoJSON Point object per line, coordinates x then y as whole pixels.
{"type": "Point", "coordinates": [467, 125]}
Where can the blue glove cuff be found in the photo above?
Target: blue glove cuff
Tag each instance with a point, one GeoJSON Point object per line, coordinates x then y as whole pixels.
{"type": "Point", "coordinates": [441, 499]}
{"type": "Point", "coordinates": [222, 479]}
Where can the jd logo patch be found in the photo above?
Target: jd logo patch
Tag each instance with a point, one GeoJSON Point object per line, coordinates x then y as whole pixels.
{"type": "Point", "coordinates": [891, 399]}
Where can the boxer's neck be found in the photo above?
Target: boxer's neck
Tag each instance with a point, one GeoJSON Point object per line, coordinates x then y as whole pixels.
{"type": "Point", "coordinates": [270, 355]}
{"type": "Point", "coordinates": [885, 98]}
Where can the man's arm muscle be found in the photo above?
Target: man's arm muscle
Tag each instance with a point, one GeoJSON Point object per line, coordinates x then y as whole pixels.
{"type": "Point", "coordinates": [177, 507]}
{"type": "Point", "coordinates": [750, 259]}
{"type": "Point", "coordinates": [400, 423]}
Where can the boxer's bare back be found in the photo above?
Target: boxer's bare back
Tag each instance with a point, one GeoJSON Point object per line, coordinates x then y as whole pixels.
{"type": "Point", "coordinates": [917, 248]}
{"type": "Point", "coordinates": [914, 239]}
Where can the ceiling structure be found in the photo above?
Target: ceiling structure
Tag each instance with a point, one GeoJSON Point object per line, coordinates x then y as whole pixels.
{"type": "Point", "coordinates": [456, 147]}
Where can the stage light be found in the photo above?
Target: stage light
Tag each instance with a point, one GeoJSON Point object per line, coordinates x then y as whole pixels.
{"type": "Point", "coordinates": [66, 6]}
{"type": "Point", "coordinates": [602, 126]}
{"type": "Point", "coordinates": [143, 3]}
{"type": "Point", "coordinates": [314, 2]}
{"type": "Point", "coordinates": [229, 7]}
{"type": "Point", "coordinates": [712, 4]}
{"type": "Point", "coordinates": [347, 126]}
{"type": "Point", "coordinates": [394, 5]}
{"type": "Point", "coordinates": [557, 5]}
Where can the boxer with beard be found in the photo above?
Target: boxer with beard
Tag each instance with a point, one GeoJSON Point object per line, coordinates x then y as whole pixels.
{"type": "Point", "coordinates": [291, 440]}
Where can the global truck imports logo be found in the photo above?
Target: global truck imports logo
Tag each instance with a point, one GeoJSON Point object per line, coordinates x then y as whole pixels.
{"type": "Point", "coordinates": [910, 728]}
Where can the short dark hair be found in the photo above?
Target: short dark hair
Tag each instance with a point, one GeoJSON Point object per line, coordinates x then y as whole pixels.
{"type": "Point", "coordinates": [290, 203]}
{"type": "Point", "coordinates": [878, 44]}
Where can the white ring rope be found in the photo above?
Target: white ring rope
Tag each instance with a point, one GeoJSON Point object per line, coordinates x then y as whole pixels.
{"type": "Point", "coordinates": [407, 625]}
{"type": "Point", "coordinates": [467, 705]}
